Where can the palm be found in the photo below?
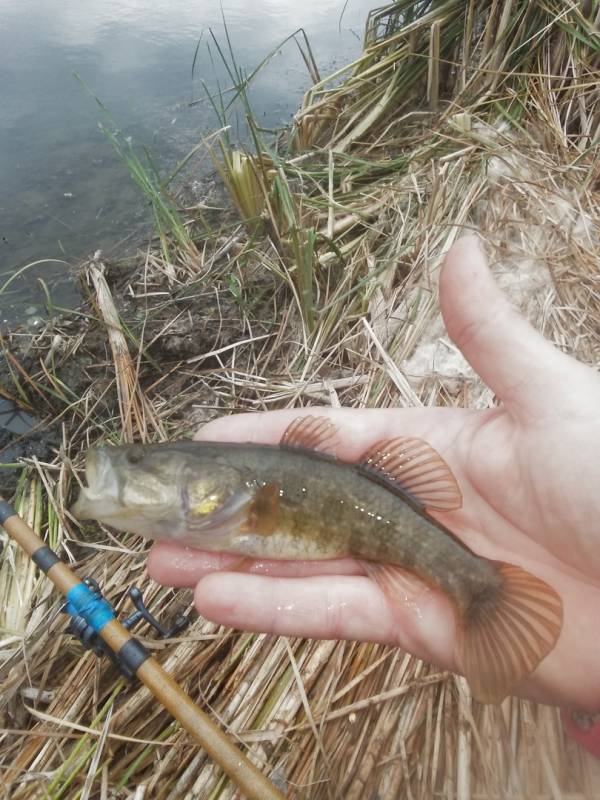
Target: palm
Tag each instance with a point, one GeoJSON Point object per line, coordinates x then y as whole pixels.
{"type": "Point", "coordinates": [528, 473]}
{"type": "Point", "coordinates": [530, 488]}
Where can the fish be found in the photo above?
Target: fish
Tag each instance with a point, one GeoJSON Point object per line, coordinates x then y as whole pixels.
{"type": "Point", "coordinates": [297, 500]}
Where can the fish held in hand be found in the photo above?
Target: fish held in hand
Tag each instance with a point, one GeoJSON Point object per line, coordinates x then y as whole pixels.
{"type": "Point", "coordinates": [296, 500]}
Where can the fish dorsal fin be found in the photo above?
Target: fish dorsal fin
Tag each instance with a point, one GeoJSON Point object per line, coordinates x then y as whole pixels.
{"type": "Point", "coordinates": [310, 433]}
{"type": "Point", "coordinates": [416, 468]}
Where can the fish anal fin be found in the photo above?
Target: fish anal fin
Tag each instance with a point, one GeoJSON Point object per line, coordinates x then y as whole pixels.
{"type": "Point", "coordinates": [505, 634]}
{"type": "Point", "coordinates": [398, 584]}
{"type": "Point", "coordinates": [264, 511]}
{"type": "Point", "coordinates": [310, 433]}
{"type": "Point", "coordinates": [416, 468]}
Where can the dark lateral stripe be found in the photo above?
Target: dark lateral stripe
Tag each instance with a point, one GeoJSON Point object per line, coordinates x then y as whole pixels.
{"type": "Point", "coordinates": [6, 511]}
{"type": "Point", "coordinates": [132, 655]}
{"type": "Point", "coordinates": [45, 558]}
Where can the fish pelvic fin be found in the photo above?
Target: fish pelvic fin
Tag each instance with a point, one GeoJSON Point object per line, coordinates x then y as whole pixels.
{"type": "Point", "coordinates": [506, 632]}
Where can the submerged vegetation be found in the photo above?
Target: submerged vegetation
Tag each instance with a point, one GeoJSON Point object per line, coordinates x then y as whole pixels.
{"type": "Point", "coordinates": [318, 285]}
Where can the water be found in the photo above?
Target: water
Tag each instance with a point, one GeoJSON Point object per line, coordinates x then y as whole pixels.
{"type": "Point", "coordinates": [64, 193]}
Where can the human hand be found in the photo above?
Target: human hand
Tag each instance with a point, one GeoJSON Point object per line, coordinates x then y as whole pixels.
{"type": "Point", "coordinates": [530, 477]}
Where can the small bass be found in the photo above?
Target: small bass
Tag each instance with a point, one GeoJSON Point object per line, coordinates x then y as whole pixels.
{"type": "Point", "coordinates": [296, 500]}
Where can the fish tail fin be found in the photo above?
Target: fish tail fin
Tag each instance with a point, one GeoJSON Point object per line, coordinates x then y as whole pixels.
{"type": "Point", "coordinates": [506, 632]}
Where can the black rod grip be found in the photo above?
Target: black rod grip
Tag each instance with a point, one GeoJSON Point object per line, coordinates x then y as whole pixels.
{"type": "Point", "coordinates": [6, 511]}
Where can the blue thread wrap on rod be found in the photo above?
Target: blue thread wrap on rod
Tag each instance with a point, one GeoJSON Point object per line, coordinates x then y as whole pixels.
{"type": "Point", "coordinates": [83, 602]}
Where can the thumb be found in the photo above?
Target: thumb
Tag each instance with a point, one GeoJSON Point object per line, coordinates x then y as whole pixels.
{"type": "Point", "coordinates": [524, 370]}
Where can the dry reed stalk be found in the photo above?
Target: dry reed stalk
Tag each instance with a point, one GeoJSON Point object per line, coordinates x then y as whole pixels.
{"type": "Point", "coordinates": [136, 413]}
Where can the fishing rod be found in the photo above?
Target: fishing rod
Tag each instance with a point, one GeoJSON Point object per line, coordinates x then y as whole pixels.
{"type": "Point", "coordinates": [93, 616]}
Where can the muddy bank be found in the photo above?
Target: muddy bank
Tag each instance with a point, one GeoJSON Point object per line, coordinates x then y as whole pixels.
{"type": "Point", "coordinates": [177, 327]}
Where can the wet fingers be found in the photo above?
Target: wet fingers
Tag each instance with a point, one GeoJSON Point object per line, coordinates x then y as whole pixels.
{"type": "Point", "coordinates": [329, 607]}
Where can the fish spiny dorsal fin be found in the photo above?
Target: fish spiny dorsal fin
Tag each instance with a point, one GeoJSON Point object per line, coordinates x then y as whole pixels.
{"type": "Point", "coordinates": [416, 468]}
{"type": "Point", "coordinates": [310, 433]}
{"type": "Point", "coordinates": [506, 632]}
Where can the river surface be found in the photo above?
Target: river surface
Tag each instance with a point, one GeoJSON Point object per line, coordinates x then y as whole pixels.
{"type": "Point", "coordinates": [64, 193]}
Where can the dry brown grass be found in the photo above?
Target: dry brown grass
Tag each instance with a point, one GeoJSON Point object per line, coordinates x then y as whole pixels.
{"type": "Point", "coordinates": [469, 116]}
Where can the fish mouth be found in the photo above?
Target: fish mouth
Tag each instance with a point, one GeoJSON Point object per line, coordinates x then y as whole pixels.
{"type": "Point", "coordinates": [82, 507]}
{"type": "Point", "coordinates": [101, 489]}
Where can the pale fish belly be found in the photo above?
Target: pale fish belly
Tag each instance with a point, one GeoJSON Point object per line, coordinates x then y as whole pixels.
{"type": "Point", "coordinates": [278, 545]}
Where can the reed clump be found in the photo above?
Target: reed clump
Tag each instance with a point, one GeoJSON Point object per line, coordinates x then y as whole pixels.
{"type": "Point", "coordinates": [320, 289]}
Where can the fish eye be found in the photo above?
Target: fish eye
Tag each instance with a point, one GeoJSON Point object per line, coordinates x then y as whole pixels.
{"type": "Point", "coordinates": [135, 454]}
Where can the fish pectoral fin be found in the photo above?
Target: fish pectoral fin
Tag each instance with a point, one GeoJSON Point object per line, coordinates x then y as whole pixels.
{"type": "Point", "coordinates": [398, 584]}
{"type": "Point", "coordinates": [416, 468]}
{"type": "Point", "coordinates": [263, 512]}
{"type": "Point", "coordinates": [310, 433]}
{"type": "Point", "coordinates": [506, 633]}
